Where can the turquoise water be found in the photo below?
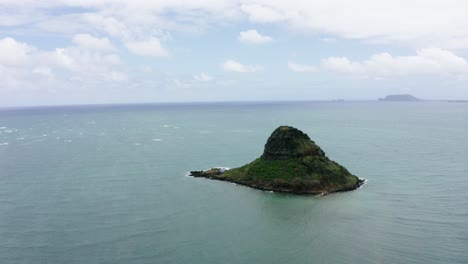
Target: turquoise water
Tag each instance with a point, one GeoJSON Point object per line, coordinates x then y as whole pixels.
{"type": "Point", "coordinates": [108, 184]}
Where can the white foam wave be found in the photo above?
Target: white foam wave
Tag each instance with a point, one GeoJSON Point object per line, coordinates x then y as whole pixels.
{"type": "Point", "coordinates": [365, 182]}
{"type": "Point", "coordinates": [220, 168]}
{"type": "Point", "coordinates": [157, 139]}
{"type": "Point", "coordinates": [172, 126]}
{"type": "Point", "coordinates": [4, 144]}
{"type": "Point", "coordinates": [20, 138]}
{"type": "Point", "coordinates": [3, 127]}
{"type": "Point", "coordinates": [68, 140]}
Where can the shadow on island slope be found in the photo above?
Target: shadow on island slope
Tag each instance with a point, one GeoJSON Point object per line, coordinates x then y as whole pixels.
{"type": "Point", "coordinates": [291, 163]}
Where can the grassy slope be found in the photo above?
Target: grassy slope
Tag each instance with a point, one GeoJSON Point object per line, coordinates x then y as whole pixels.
{"type": "Point", "coordinates": [302, 174]}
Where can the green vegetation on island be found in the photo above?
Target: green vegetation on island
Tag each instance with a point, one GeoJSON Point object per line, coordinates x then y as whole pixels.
{"type": "Point", "coordinates": [292, 163]}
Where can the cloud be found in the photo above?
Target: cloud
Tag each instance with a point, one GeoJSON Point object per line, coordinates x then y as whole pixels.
{"type": "Point", "coordinates": [13, 52]}
{"type": "Point", "coordinates": [45, 71]}
{"type": "Point", "coordinates": [89, 42]}
{"type": "Point", "coordinates": [235, 66]}
{"type": "Point", "coordinates": [99, 27]}
{"type": "Point", "coordinates": [203, 77]}
{"type": "Point", "coordinates": [127, 20]}
{"type": "Point", "coordinates": [409, 23]}
{"type": "Point", "coordinates": [430, 61]}
{"type": "Point", "coordinates": [151, 47]}
{"type": "Point", "coordinates": [399, 21]}
{"type": "Point", "coordinates": [108, 23]}
{"type": "Point", "coordinates": [253, 37]}
{"type": "Point", "coordinates": [146, 69]}
{"type": "Point", "coordinates": [301, 67]}
{"type": "Point", "coordinates": [262, 13]}
{"type": "Point", "coordinates": [327, 40]}
{"type": "Point", "coordinates": [25, 67]}
{"type": "Point", "coordinates": [116, 76]}
{"type": "Point", "coordinates": [84, 61]}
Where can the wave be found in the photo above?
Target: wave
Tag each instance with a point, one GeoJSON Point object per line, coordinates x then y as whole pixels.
{"type": "Point", "coordinates": [157, 139]}
{"type": "Point", "coordinates": [364, 183]}
{"type": "Point", "coordinates": [216, 167]}
{"type": "Point", "coordinates": [219, 168]}
{"type": "Point", "coordinates": [4, 144]}
{"type": "Point", "coordinates": [224, 168]}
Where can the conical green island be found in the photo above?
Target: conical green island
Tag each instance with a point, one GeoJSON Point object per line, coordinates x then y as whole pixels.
{"type": "Point", "coordinates": [291, 163]}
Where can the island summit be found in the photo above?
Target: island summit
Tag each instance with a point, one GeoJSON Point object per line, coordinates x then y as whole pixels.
{"type": "Point", "coordinates": [291, 163]}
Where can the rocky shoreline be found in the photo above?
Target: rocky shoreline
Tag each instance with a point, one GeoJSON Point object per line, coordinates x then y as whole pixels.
{"type": "Point", "coordinates": [218, 174]}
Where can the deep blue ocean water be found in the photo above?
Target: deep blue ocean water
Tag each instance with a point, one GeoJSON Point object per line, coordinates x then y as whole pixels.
{"type": "Point", "coordinates": [108, 184]}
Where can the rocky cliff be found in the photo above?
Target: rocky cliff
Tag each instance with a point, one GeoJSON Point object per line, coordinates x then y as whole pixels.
{"type": "Point", "coordinates": [289, 143]}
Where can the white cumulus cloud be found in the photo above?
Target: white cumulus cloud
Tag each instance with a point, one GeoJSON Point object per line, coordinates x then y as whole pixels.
{"type": "Point", "coordinates": [253, 37]}
{"type": "Point", "coordinates": [13, 52]}
{"type": "Point", "coordinates": [295, 67]}
{"type": "Point", "coordinates": [93, 43]}
{"type": "Point", "coordinates": [151, 47]}
{"type": "Point", "coordinates": [234, 66]}
{"type": "Point", "coordinates": [430, 61]}
{"type": "Point", "coordinates": [262, 13]}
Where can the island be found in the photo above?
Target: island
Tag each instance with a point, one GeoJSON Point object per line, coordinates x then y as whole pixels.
{"type": "Point", "coordinates": [291, 163]}
{"type": "Point", "coordinates": [399, 98]}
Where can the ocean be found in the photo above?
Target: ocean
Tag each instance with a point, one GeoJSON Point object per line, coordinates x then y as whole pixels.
{"type": "Point", "coordinates": [109, 184]}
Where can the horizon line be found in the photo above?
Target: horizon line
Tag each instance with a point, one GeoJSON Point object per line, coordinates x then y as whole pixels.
{"type": "Point", "coordinates": [218, 102]}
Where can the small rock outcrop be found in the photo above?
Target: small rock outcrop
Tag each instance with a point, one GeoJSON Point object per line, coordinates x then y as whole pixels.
{"type": "Point", "coordinates": [291, 162]}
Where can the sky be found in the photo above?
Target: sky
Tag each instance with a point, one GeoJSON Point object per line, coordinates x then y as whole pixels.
{"type": "Point", "coordinates": [60, 52]}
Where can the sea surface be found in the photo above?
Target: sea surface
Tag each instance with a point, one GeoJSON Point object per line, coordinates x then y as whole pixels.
{"type": "Point", "coordinates": [109, 184]}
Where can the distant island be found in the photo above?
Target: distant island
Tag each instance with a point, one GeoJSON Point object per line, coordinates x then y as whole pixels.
{"type": "Point", "coordinates": [291, 163]}
{"type": "Point", "coordinates": [400, 98]}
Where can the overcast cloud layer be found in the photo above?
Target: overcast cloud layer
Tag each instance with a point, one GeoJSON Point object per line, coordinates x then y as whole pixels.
{"type": "Point", "coordinates": [102, 51]}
